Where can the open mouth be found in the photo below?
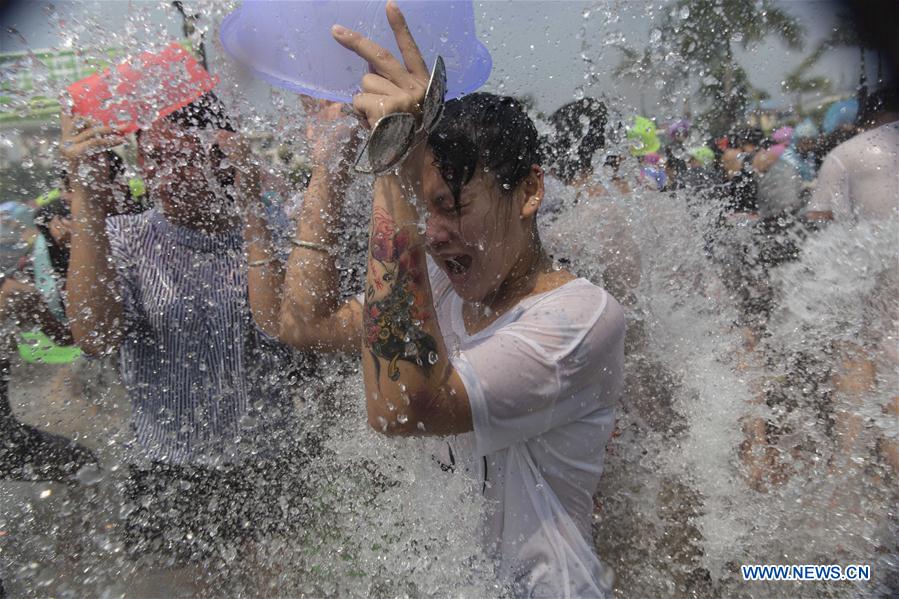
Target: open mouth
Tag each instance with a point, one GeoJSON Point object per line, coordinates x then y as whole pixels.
{"type": "Point", "coordinates": [458, 265]}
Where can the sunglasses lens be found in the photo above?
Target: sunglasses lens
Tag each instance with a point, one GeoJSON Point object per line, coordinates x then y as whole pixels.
{"type": "Point", "coordinates": [390, 140]}
{"type": "Point", "coordinates": [392, 137]}
{"type": "Point", "coordinates": [432, 105]}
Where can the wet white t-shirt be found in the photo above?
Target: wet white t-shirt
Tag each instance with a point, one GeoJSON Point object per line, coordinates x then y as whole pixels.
{"type": "Point", "coordinates": [859, 179]}
{"type": "Point", "coordinates": [543, 382]}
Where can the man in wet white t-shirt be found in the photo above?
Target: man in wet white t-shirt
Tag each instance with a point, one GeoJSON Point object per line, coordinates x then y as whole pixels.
{"type": "Point", "coordinates": [859, 184]}
{"type": "Point", "coordinates": [859, 180]}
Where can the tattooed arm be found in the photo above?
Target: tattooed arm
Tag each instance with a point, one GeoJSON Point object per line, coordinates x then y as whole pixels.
{"type": "Point", "coordinates": [410, 385]}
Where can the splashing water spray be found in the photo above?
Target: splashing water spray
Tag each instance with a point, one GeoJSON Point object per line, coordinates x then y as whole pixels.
{"type": "Point", "coordinates": [759, 407]}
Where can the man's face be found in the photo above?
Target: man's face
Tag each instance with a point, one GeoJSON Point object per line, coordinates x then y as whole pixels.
{"type": "Point", "coordinates": [477, 242]}
{"type": "Point", "coordinates": [179, 167]}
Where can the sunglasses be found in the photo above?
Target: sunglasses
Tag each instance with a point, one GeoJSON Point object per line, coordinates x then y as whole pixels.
{"type": "Point", "coordinates": [393, 136]}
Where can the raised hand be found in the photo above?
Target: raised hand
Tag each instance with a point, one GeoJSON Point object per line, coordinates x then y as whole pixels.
{"type": "Point", "coordinates": [392, 86]}
{"type": "Point", "coordinates": [84, 145]}
{"type": "Point", "coordinates": [330, 132]}
{"type": "Point", "coordinates": [84, 136]}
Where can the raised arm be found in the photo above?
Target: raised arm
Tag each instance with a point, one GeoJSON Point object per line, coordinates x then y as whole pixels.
{"type": "Point", "coordinates": [312, 314]}
{"type": "Point", "coordinates": [265, 276]}
{"type": "Point", "coordinates": [410, 385]}
{"type": "Point", "coordinates": [93, 307]}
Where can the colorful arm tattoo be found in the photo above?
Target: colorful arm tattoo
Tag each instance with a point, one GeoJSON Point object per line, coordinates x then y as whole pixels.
{"type": "Point", "coordinates": [396, 307]}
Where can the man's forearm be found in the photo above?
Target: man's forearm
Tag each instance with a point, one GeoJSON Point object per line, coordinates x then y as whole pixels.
{"type": "Point", "coordinates": [265, 277]}
{"type": "Point", "coordinates": [312, 281]}
{"type": "Point", "coordinates": [93, 305]}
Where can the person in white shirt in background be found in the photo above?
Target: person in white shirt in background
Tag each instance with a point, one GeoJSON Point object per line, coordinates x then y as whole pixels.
{"type": "Point", "coordinates": [859, 179]}
{"type": "Point", "coordinates": [466, 330]}
{"type": "Point", "coordinates": [859, 184]}
{"type": "Point", "coordinates": [578, 134]}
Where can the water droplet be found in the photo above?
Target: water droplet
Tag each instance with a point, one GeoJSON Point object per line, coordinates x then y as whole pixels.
{"type": "Point", "coordinates": [89, 474]}
{"type": "Point", "coordinates": [655, 35]}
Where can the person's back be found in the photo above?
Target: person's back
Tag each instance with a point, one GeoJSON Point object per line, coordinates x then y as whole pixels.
{"type": "Point", "coordinates": [607, 246]}
{"type": "Point", "coordinates": [860, 178]}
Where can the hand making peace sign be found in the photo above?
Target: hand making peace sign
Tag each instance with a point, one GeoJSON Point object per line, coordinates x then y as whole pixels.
{"type": "Point", "coordinates": [392, 86]}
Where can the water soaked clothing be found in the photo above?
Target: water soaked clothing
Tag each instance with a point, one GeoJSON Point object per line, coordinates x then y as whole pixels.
{"type": "Point", "coordinates": [543, 381]}
{"type": "Point", "coordinates": [860, 178]}
{"type": "Point", "coordinates": [203, 380]}
{"type": "Point", "coordinates": [193, 513]}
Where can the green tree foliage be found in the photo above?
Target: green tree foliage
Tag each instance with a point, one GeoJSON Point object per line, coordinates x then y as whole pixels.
{"type": "Point", "coordinates": [695, 42]}
{"type": "Point", "coordinates": [842, 35]}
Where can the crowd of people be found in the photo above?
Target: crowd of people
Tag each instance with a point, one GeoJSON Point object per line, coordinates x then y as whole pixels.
{"type": "Point", "coordinates": [756, 195]}
{"type": "Point", "coordinates": [466, 327]}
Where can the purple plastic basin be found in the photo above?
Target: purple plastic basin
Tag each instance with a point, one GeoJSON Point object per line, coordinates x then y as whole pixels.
{"type": "Point", "coordinates": [289, 43]}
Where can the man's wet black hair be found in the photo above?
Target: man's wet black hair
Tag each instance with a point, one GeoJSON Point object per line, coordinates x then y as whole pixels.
{"type": "Point", "coordinates": [484, 131]}
{"type": "Point", "coordinates": [206, 112]}
{"type": "Point", "coordinates": [580, 130]}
